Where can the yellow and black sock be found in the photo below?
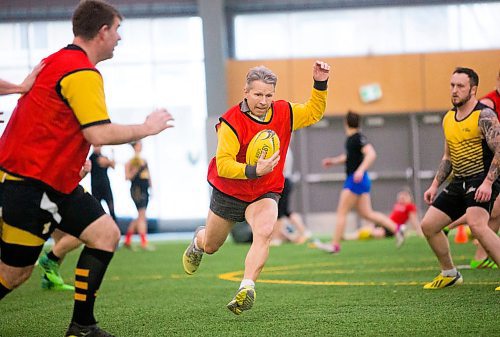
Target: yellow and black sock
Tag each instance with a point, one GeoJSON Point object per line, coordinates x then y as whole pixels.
{"type": "Point", "coordinates": [4, 290]}
{"type": "Point", "coordinates": [89, 273]}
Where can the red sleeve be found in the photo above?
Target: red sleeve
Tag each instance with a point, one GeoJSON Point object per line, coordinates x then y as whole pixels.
{"type": "Point", "coordinates": [411, 208]}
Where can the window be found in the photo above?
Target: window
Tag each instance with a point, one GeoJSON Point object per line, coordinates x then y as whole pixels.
{"type": "Point", "coordinates": [158, 63]}
{"type": "Point", "coordinates": [367, 31]}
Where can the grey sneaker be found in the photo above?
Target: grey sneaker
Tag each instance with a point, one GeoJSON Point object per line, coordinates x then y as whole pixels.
{"type": "Point", "coordinates": [77, 330]}
{"type": "Point", "coordinates": [400, 236]}
{"type": "Point", "coordinates": [243, 300]}
{"type": "Point", "coordinates": [191, 258]}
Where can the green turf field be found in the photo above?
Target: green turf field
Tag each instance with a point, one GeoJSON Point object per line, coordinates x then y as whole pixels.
{"type": "Point", "coordinates": [370, 289]}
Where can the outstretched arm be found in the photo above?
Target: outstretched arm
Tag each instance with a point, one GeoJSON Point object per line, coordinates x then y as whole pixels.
{"type": "Point", "coordinates": [7, 88]}
{"type": "Point", "coordinates": [337, 160]}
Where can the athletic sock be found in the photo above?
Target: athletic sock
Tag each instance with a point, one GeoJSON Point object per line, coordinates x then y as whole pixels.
{"type": "Point", "coordinates": [144, 240]}
{"type": "Point", "coordinates": [128, 238]}
{"type": "Point", "coordinates": [449, 272]}
{"type": "Point", "coordinates": [196, 248]}
{"type": "Point", "coordinates": [3, 288]}
{"type": "Point", "coordinates": [247, 282]}
{"type": "Point", "coordinates": [53, 257]}
{"type": "Point", "coordinates": [89, 273]}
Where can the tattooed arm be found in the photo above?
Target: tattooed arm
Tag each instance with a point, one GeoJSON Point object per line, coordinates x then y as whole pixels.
{"type": "Point", "coordinates": [442, 173]}
{"type": "Point", "coordinates": [490, 128]}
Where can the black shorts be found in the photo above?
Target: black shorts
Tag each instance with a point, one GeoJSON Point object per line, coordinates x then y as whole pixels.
{"type": "Point", "coordinates": [140, 196]}
{"type": "Point", "coordinates": [459, 195]}
{"type": "Point", "coordinates": [284, 203]}
{"type": "Point", "coordinates": [31, 212]}
{"type": "Point", "coordinates": [233, 209]}
{"type": "Point", "coordinates": [102, 192]}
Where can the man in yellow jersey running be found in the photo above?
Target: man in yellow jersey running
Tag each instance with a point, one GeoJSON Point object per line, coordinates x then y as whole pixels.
{"type": "Point", "coordinates": [472, 154]}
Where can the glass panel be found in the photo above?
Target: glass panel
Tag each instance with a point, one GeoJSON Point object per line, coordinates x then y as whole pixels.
{"type": "Point", "coordinates": [135, 45]}
{"type": "Point", "coordinates": [158, 63]}
{"type": "Point", "coordinates": [262, 36]}
{"type": "Point", "coordinates": [13, 42]}
{"type": "Point", "coordinates": [178, 39]}
{"type": "Point", "coordinates": [127, 86]}
{"type": "Point", "coordinates": [351, 32]}
{"type": "Point", "coordinates": [420, 23]}
{"type": "Point", "coordinates": [480, 26]}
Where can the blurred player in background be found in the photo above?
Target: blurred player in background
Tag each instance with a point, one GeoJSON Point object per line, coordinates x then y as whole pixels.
{"type": "Point", "coordinates": [404, 212]}
{"type": "Point", "coordinates": [358, 157]}
{"type": "Point", "coordinates": [99, 180]}
{"type": "Point", "coordinates": [289, 226]}
{"type": "Point", "coordinates": [137, 171]}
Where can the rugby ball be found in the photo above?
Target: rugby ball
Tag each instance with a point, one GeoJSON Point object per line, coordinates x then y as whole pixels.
{"type": "Point", "coordinates": [264, 141]}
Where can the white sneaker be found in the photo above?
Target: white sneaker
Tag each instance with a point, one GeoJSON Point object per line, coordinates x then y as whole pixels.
{"type": "Point", "coordinates": [400, 236]}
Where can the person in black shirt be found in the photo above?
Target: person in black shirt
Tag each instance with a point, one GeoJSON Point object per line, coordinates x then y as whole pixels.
{"type": "Point", "coordinates": [99, 180]}
{"type": "Point", "coordinates": [359, 156]}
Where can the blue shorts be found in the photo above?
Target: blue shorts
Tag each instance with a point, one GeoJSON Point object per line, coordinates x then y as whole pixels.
{"type": "Point", "coordinates": [358, 188]}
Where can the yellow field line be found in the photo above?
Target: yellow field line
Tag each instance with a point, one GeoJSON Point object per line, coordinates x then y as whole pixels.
{"type": "Point", "coordinates": [236, 276]}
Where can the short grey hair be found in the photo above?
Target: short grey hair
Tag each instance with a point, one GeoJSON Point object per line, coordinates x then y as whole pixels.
{"type": "Point", "coordinates": [261, 73]}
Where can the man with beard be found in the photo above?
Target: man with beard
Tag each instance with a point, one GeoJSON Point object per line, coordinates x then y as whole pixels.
{"type": "Point", "coordinates": [472, 154]}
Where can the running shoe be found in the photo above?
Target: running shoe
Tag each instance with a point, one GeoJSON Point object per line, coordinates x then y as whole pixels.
{"type": "Point", "coordinates": [487, 263]}
{"type": "Point", "coordinates": [243, 300]}
{"type": "Point", "coordinates": [191, 258]}
{"type": "Point", "coordinates": [46, 284]}
{"type": "Point", "coordinates": [327, 247]}
{"type": "Point", "coordinates": [77, 330]}
{"type": "Point", "coordinates": [50, 269]}
{"type": "Point", "coordinates": [441, 281]}
{"type": "Point", "coordinates": [400, 236]}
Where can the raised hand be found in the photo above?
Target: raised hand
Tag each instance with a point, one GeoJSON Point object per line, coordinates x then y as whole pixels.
{"type": "Point", "coordinates": [321, 71]}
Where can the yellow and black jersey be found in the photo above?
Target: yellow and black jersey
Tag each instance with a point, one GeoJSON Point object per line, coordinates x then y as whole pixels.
{"type": "Point", "coordinates": [469, 152]}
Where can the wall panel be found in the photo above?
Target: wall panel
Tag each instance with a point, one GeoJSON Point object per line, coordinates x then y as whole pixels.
{"type": "Point", "coordinates": [409, 83]}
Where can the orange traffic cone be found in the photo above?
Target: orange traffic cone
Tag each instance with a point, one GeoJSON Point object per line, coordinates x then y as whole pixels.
{"type": "Point", "coordinates": [461, 236]}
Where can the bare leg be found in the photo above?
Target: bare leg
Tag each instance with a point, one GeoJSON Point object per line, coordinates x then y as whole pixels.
{"type": "Point", "coordinates": [432, 224]}
{"type": "Point", "coordinates": [142, 226]}
{"type": "Point", "coordinates": [477, 218]}
{"type": "Point", "coordinates": [494, 224]}
{"type": "Point", "coordinates": [65, 244]}
{"type": "Point", "coordinates": [366, 211]}
{"type": "Point", "coordinates": [261, 216]}
{"type": "Point", "coordinates": [278, 237]}
{"type": "Point", "coordinates": [215, 233]}
{"type": "Point", "coordinates": [299, 225]}
{"type": "Point", "coordinates": [132, 227]}
{"type": "Point", "coordinates": [346, 203]}
{"type": "Point", "coordinates": [14, 276]}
